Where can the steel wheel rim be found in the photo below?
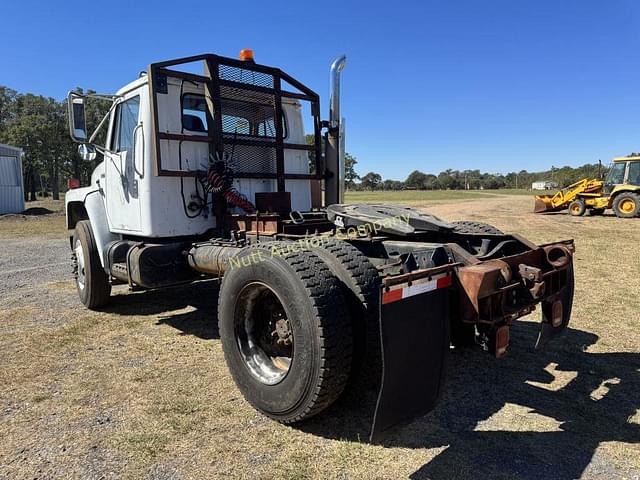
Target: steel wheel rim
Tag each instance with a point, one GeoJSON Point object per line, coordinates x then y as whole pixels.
{"type": "Point", "coordinates": [80, 273]}
{"type": "Point", "coordinates": [263, 333]}
{"type": "Point", "coordinates": [627, 205]}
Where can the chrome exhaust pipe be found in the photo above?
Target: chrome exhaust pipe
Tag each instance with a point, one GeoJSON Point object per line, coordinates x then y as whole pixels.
{"type": "Point", "coordinates": [334, 97]}
{"type": "Point", "coordinates": [334, 153]}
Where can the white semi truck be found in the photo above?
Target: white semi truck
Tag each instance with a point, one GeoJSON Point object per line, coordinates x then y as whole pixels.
{"type": "Point", "coordinates": [209, 175]}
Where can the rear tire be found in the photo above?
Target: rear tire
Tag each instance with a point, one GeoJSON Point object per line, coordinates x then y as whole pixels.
{"type": "Point", "coordinates": [577, 208]}
{"type": "Point", "coordinates": [92, 282]}
{"type": "Point", "coordinates": [306, 301]}
{"type": "Point", "coordinates": [360, 284]}
{"type": "Point", "coordinates": [627, 205]}
{"type": "Point", "coordinates": [467, 226]}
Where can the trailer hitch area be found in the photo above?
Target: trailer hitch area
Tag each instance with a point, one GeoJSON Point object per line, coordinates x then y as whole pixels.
{"type": "Point", "coordinates": [499, 291]}
{"type": "Point", "coordinates": [414, 334]}
{"type": "Point", "coordinates": [533, 279]}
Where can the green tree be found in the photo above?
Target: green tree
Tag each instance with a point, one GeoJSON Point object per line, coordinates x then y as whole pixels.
{"type": "Point", "coordinates": [371, 181]}
{"type": "Point", "coordinates": [350, 175]}
{"type": "Point", "coordinates": [416, 179]}
{"type": "Point", "coordinates": [7, 107]}
{"type": "Point", "coordinates": [392, 185]}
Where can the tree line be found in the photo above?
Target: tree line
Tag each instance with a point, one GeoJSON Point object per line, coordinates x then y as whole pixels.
{"type": "Point", "coordinates": [39, 126]}
{"type": "Point", "coordinates": [474, 179]}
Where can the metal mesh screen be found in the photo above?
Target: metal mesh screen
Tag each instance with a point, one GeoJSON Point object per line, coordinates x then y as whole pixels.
{"type": "Point", "coordinates": [250, 159]}
{"type": "Point", "coordinates": [248, 117]}
{"type": "Point", "coordinates": [245, 117]}
{"type": "Point", "coordinates": [242, 75]}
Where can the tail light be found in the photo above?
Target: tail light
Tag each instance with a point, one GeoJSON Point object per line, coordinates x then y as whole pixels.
{"type": "Point", "coordinates": [502, 341]}
{"type": "Point", "coordinates": [556, 313]}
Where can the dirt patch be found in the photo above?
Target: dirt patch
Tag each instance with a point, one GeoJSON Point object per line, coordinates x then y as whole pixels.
{"type": "Point", "coordinates": [140, 389]}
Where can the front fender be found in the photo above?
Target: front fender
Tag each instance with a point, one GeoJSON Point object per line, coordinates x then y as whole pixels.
{"type": "Point", "coordinates": [93, 203]}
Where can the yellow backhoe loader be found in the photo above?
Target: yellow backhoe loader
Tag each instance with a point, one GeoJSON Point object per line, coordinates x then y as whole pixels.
{"type": "Point", "coordinates": [620, 191]}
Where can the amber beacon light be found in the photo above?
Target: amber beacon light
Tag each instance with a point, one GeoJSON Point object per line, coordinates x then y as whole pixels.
{"type": "Point", "coordinates": [246, 55]}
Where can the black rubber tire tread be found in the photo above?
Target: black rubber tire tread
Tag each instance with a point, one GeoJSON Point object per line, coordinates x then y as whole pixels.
{"type": "Point", "coordinates": [581, 208]}
{"type": "Point", "coordinates": [97, 289]}
{"type": "Point", "coordinates": [332, 328]}
{"type": "Point", "coordinates": [361, 288]}
{"type": "Point", "coordinates": [468, 226]}
{"type": "Point", "coordinates": [621, 196]}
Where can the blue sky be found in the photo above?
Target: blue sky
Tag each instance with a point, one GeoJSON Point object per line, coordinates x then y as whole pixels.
{"type": "Point", "coordinates": [497, 85]}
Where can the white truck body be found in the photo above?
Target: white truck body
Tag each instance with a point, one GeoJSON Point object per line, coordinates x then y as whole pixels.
{"type": "Point", "coordinates": [138, 202]}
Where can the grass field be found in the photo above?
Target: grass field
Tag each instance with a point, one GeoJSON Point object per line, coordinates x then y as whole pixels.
{"type": "Point", "coordinates": [140, 389]}
{"type": "Point", "coordinates": [418, 197]}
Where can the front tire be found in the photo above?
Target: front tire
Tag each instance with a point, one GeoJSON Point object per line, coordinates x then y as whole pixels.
{"type": "Point", "coordinates": [627, 205]}
{"type": "Point", "coordinates": [92, 282]}
{"type": "Point", "coordinates": [284, 331]}
{"type": "Point", "coordinates": [577, 208]}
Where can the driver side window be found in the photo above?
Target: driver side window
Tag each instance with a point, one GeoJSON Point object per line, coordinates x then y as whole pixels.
{"type": "Point", "coordinates": [126, 120]}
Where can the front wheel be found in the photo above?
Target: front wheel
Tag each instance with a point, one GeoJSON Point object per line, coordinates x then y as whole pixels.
{"type": "Point", "coordinates": [285, 334]}
{"type": "Point", "coordinates": [92, 282]}
{"type": "Point", "coordinates": [627, 205]}
{"type": "Point", "coordinates": [577, 208]}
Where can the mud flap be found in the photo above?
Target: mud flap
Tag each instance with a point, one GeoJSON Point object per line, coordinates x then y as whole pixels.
{"type": "Point", "coordinates": [414, 332]}
{"type": "Point", "coordinates": [548, 330]}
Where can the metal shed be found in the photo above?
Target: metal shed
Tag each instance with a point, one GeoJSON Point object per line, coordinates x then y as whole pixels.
{"type": "Point", "coordinates": [11, 185]}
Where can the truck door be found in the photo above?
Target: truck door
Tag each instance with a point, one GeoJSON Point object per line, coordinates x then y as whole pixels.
{"type": "Point", "coordinates": [122, 176]}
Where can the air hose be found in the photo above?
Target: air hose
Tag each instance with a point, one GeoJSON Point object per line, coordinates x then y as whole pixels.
{"type": "Point", "coordinates": [220, 180]}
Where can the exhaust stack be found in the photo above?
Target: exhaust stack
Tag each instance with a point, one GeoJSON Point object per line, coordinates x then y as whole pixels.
{"type": "Point", "coordinates": [334, 146]}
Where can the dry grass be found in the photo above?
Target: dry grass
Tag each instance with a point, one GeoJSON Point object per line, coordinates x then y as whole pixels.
{"type": "Point", "coordinates": [141, 389]}
{"type": "Point", "coordinates": [47, 226]}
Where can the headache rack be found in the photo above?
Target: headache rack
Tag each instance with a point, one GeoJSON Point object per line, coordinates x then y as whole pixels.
{"type": "Point", "coordinates": [232, 86]}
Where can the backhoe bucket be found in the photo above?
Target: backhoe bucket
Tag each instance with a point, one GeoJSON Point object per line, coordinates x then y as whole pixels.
{"type": "Point", "coordinates": [543, 204]}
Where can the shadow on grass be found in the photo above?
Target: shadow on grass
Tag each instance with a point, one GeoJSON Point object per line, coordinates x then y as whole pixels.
{"type": "Point", "coordinates": [201, 320]}
{"type": "Point", "coordinates": [590, 402]}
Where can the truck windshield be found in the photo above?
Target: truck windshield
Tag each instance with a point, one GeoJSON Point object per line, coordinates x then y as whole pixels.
{"type": "Point", "coordinates": [616, 175]}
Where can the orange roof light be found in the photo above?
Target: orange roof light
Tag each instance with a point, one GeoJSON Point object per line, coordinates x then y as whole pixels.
{"type": "Point", "coordinates": [246, 55]}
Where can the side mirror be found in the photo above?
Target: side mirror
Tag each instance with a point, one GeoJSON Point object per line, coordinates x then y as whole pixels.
{"type": "Point", "coordinates": [77, 119]}
{"type": "Point", "coordinates": [87, 152]}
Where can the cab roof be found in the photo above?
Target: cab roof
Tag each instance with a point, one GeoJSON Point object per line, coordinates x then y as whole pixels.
{"type": "Point", "coordinates": [626, 159]}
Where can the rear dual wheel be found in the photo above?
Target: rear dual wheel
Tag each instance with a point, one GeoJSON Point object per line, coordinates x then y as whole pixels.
{"type": "Point", "coordinates": [470, 227]}
{"type": "Point", "coordinates": [285, 332]}
{"type": "Point", "coordinates": [360, 285]}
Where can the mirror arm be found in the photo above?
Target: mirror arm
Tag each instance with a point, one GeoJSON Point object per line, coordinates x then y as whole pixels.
{"type": "Point", "coordinates": [102, 122]}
